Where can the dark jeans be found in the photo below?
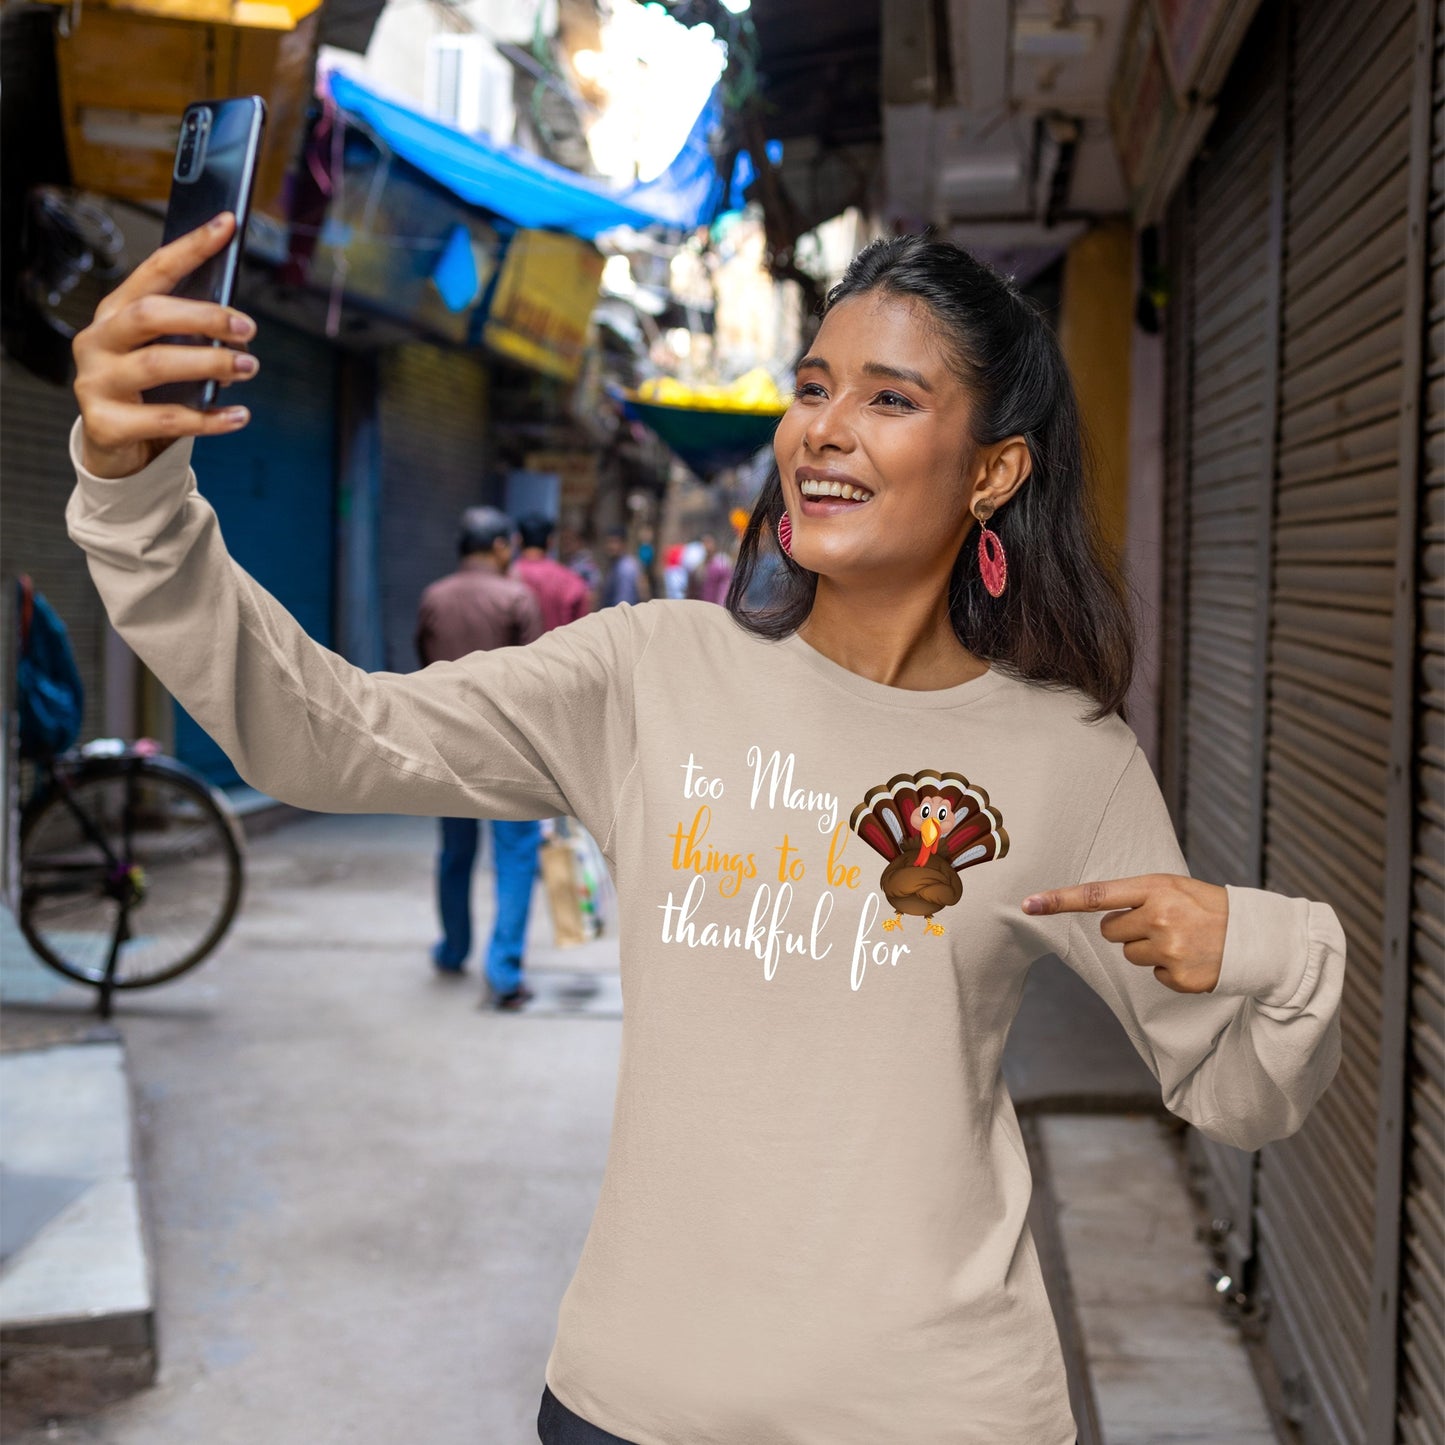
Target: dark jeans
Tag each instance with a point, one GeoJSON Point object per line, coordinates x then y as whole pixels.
{"type": "Point", "coordinates": [557, 1425]}
{"type": "Point", "coordinates": [514, 848]}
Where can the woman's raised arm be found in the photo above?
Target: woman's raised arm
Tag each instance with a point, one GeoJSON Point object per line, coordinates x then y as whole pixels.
{"type": "Point", "coordinates": [519, 732]}
{"type": "Point", "coordinates": [1246, 1057]}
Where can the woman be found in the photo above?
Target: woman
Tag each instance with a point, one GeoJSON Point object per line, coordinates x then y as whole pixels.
{"type": "Point", "coordinates": [842, 830]}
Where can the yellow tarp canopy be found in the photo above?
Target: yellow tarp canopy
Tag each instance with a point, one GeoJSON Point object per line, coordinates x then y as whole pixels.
{"type": "Point", "coordinates": [755, 393]}
{"type": "Point", "coordinates": [249, 14]}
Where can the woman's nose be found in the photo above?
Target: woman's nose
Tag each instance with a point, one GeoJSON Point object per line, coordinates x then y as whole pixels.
{"type": "Point", "coordinates": [829, 427]}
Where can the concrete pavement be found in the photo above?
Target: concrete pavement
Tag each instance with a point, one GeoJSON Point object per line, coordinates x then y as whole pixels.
{"type": "Point", "coordinates": [76, 1302]}
{"type": "Point", "coordinates": [367, 1195]}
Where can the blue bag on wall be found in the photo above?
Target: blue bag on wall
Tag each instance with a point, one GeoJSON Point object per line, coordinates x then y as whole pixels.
{"type": "Point", "coordinates": [50, 694]}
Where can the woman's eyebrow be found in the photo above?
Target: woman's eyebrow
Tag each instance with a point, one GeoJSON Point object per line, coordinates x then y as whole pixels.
{"type": "Point", "coordinates": [871, 368]}
{"type": "Point", "coordinates": [896, 373]}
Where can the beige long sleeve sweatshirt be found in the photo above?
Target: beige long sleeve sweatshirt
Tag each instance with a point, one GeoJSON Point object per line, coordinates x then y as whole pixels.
{"type": "Point", "coordinates": [811, 1227]}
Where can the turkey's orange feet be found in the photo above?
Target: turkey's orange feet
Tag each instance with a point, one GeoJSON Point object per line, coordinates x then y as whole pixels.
{"type": "Point", "coordinates": [933, 927]}
{"type": "Point", "coordinates": [891, 923]}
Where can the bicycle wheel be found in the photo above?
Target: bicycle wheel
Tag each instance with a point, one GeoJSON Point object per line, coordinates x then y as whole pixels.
{"type": "Point", "coordinates": [133, 853]}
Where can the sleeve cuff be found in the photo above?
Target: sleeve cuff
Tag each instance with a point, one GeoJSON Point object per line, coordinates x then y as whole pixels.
{"type": "Point", "coordinates": [1267, 950]}
{"type": "Point", "coordinates": [129, 501]}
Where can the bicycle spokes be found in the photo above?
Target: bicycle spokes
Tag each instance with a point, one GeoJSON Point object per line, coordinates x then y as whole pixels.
{"type": "Point", "coordinates": [128, 874]}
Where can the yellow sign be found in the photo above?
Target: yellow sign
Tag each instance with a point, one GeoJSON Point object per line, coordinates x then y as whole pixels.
{"type": "Point", "coordinates": [543, 302]}
{"type": "Point", "coordinates": [257, 14]}
{"type": "Point", "coordinates": [578, 471]}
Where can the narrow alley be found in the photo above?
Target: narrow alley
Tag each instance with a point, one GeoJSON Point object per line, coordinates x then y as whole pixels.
{"type": "Point", "coordinates": [366, 1194]}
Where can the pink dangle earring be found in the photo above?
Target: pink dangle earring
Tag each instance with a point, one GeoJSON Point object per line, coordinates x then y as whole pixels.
{"type": "Point", "coordinates": [785, 533]}
{"type": "Point", "coordinates": [992, 562]}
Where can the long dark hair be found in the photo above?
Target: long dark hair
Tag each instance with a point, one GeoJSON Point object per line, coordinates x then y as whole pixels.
{"type": "Point", "coordinates": [1063, 619]}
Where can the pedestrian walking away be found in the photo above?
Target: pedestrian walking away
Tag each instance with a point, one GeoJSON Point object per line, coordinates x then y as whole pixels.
{"type": "Point", "coordinates": [576, 558]}
{"type": "Point", "coordinates": [475, 609]}
{"type": "Point", "coordinates": [674, 573]}
{"type": "Point", "coordinates": [713, 575]}
{"type": "Point", "coordinates": [843, 828]}
{"type": "Point", "coordinates": [625, 580]}
{"type": "Point", "coordinates": [562, 595]}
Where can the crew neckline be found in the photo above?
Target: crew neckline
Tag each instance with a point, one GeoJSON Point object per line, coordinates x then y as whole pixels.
{"type": "Point", "coordinates": [959, 695]}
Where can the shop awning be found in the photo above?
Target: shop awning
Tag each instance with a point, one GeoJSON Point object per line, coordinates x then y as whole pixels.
{"type": "Point", "coordinates": [706, 440]}
{"type": "Point", "coordinates": [530, 190]}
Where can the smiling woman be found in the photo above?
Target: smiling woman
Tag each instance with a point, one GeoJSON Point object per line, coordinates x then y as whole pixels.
{"type": "Point", "coordinates": [934, 398]}
{"type": "Point", "coordinates": [842, 834]}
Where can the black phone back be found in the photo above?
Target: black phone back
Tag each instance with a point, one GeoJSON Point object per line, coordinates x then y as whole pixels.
{"type": "Point", "coordinates": [214, 171]}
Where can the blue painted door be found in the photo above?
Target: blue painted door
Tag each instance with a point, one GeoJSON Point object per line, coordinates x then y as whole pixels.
{"type": "Point", "coordinates": [273, 487]}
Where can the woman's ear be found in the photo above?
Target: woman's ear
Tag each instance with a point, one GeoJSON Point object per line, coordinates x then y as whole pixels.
{"type": "Point", "coordinates": [1002, 469]}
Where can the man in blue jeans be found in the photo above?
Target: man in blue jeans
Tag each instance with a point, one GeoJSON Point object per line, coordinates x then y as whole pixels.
{"type": "Point", "coordinates": [478, 608]}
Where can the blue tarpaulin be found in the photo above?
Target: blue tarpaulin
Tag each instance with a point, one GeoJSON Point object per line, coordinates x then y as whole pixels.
{"type": "Point", "coordinates": [455, 272]}
{"type": "Point", "coordinates": [530, 190]}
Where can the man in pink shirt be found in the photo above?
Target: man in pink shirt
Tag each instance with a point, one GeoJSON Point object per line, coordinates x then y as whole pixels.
{"type": "Point", "coordinates": [560, 592]}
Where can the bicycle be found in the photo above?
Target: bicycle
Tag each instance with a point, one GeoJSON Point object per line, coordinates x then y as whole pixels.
{"type": "Point", "coordinates": [131, 864]}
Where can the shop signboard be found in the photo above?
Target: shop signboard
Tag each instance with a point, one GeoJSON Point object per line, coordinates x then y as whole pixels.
{"type": "Point", "coordinates": [1199, 39]}
{"type": "Point", "coordinates": [576, 470]}
{"type": "Point", "coordinates": [1174, 57]}
{"type": "Point", "coordinates": [542, 306]}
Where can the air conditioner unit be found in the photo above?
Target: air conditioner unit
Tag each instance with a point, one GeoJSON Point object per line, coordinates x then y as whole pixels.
{"type": "Point", "coordinates": [469, 85]}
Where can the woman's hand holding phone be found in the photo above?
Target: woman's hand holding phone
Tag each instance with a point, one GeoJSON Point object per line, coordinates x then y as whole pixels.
{"type": "Point", "coordinates": [119, 355]}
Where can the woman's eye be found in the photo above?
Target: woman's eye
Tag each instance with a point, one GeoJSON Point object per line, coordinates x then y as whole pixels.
{"type": "Point", "coordinates": [808, 390]}
{"type": "Point", "coordinates": [893, 399]}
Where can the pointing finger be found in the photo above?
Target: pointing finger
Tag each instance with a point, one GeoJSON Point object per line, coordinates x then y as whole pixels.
{"type": "Point", "coordinates": [1094, 897]}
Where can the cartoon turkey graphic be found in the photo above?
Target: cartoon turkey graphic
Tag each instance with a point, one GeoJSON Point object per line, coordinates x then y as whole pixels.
{"type": "Point", "coordinates": [929, 827]}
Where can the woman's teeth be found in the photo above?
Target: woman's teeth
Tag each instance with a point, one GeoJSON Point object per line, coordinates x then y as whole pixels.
{"type": "Point", "coordinates": [812, 488]}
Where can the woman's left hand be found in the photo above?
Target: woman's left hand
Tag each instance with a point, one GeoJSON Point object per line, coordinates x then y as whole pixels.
{"type": "Point", "coordinates": [1166, 921]}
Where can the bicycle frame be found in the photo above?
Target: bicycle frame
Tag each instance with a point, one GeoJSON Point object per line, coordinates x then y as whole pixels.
{"type": "Point", "coordinates": [109, 827]}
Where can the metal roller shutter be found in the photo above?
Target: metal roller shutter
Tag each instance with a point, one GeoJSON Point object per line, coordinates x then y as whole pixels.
{"type": "Point", "coordinates": [1330, 660]}
{"type": "Point", "coordinates": [273, 488]}
{"type": "Point", "coordinates": [1231, 318]}
{"type": "Point", "coordinates": [434, 464]}
{"type": "Point", "coordinates": [35, 466]}
{"type": "Point", "coordinates": [1421, 1414]}
{"type": "Point", "coordinates": [1174, 655]}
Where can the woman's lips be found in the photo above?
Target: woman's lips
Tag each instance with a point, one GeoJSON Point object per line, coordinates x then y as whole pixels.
{"type": "Point", "coordinates": [811, 482]}
{"type": "Point", "coordinates": [827, 506]}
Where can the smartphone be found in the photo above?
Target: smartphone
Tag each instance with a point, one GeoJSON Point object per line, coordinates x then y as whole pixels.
{"type": "Point", "coordinates": [214, 171]}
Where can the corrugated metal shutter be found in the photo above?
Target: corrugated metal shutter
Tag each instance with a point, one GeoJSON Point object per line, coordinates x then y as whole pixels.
{"type": "Point", "coordinates": [273, 488]}
{"type": "Point", "coordinates": [432, 410]}
{"type": "Point", "coordinates": [1330, 660]}
{"type": "Point", "coordinates": [35, 467]}
{"type": "Point", "coordinates": [1174, 600]}
{"type": "Point", "coordinates": [1231, 319]}
{"type": "Point", "coordinates": [1421, 1418]}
